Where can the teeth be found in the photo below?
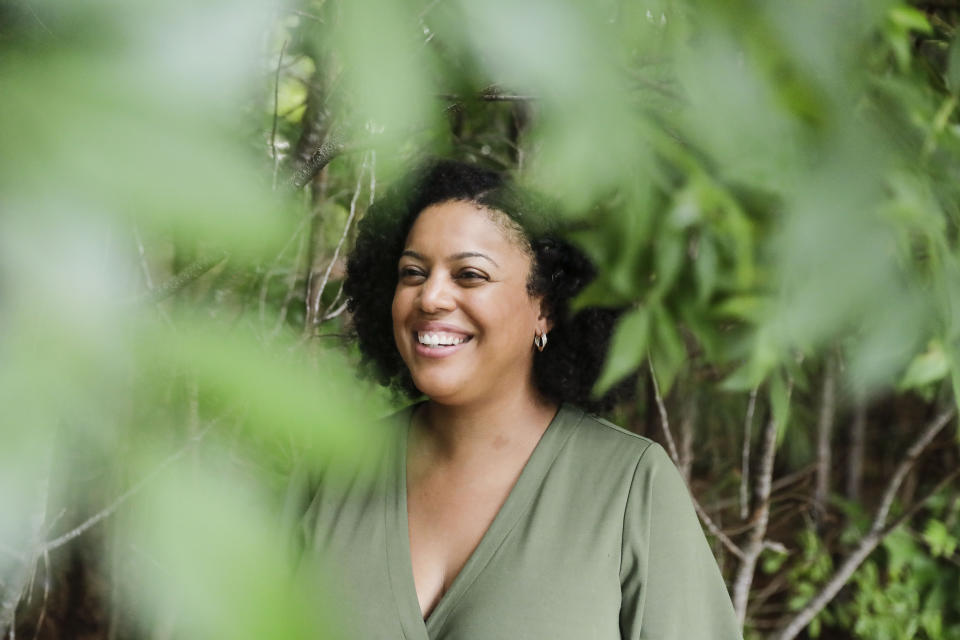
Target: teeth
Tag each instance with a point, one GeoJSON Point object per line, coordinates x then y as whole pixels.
{"type": "Point", "coordinates": [439, 339]}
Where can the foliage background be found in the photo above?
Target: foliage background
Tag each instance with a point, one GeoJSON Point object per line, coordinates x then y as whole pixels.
{"type": "Point", "coordinates": [772, 189]}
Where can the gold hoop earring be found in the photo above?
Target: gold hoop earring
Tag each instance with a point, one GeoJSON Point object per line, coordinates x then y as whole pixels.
{"type": "Point", "coordinates": [540, 340]}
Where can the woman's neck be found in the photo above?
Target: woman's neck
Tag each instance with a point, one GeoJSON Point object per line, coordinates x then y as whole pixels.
{"type": "Point", "coordinates": [460, 433]}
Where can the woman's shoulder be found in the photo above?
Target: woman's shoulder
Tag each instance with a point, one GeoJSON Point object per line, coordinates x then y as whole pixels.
{"type": "Point", "coordinates": [604, 433]}
{"type": "Point", "coordinates": [611, 445]}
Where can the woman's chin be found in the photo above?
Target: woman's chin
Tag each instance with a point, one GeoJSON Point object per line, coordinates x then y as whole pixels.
{"type": "Point", "coordinates": [443, 390]}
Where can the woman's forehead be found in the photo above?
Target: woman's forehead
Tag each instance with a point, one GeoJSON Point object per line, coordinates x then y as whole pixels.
{"type": "Point", "coordinates": [461, 226]}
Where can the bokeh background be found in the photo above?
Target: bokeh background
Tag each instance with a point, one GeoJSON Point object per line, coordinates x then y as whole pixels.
{"type": "Point", "coordinates": [772, 190]}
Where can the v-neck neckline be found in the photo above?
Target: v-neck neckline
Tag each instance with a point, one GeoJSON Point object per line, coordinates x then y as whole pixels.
{"type": "Point", "coordinates": [400, 564]}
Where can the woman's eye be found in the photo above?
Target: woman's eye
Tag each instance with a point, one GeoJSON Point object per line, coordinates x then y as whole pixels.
{"type": "Point", "coordinates": [411, 272]}
{"type": "Point", "coordinates": [471, 276]}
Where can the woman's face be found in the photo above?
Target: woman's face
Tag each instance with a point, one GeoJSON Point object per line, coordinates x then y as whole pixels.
{"type": "Point", "coordinates": [462, 318]}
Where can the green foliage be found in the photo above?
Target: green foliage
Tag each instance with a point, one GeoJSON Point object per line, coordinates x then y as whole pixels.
{"type": "Point", "coordinates": [910, 595]}
{"type": "Point", "coordinates": [759, 183]}
{"type": "Point", "coordinates": [905, 589]}
{"type": "Point", "coordinates": [807, 574]}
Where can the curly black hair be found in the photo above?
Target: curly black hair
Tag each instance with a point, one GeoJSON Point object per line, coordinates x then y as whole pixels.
{"type": "Point", "coordinates": [568, 368]}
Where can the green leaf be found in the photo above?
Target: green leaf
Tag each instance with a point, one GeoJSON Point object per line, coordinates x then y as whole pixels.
{"type": "Point", "coordinates": [670, 252]}
{"type": "Point", "coordinates": [773, 560]}
{"type": "Point", "coordinates": [954, 360]}
{"type": "Point", "coordinates": [627, 349]}
{"type": "Point", "coordinates": [910, 19]}
{"type": "Point", "coordinates": [953, 67]}
{"type": "Point", "coordinates": [930, 366]}
{"type": "Point", "coordinates": [938, 538]}
{"type": "Point", "coordinates": [901, 21]}
{"type": "Point", "coordinates": [746, 307]}
{"type": "Point", "coordinates": [667, 351]}
{"type": "Point", "coordinates": [780, 403]}
{"type": "Point", "coordinates": [706, 265]}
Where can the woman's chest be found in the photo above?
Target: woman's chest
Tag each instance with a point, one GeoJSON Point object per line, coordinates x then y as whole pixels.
{"type": "Point", "coordinates": [447, 519]}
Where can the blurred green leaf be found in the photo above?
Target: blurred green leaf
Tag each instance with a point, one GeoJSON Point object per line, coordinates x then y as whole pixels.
{"type": "Point", "coordinates": [780, 406]}
{"type": "Point", "coordinates": [628, 348]}
{"type": "Point", "coordinates": [706, 266]}
{"type": "Point", "coordinates": [901, 21]}
{"type": "Point", "coordinates": [281, 397]}
{"type": "Point", "coordinates": [667, 351]}
{"type": "Point", "coordinates": [953, 67]}
{"type": "Point", "coordinates": [926, 367]}
{"type": "Point", "coordinates": [386, 66]}
{"type": "Point", "coordinates": [939, 539]}
{"type": "Point", "coordinates": [670, 255]}
{"type": "Point", "coordinates": [208, 551]}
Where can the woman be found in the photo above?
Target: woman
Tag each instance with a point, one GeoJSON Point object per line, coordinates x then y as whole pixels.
{"type": "Point", "coordinates": [503, 510]}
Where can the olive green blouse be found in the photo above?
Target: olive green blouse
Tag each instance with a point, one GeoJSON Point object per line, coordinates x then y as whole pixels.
{"type": "Point", "coordinates": [597, 539]}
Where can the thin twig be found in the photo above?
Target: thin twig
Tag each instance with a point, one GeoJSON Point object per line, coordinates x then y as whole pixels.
{"type": "Point", "coordinates": [704, 516]}
{"type": "Point", "coordinates": [318, 293]}
{"type": "Point", "coordinates": [672, 446]}
{"type": "Point", "coordinates": [745, 456]}
{"type": "Point", "coordinates": [715, 531]}
{"type": "Point", "coordinates": [878, 529]}
{"type": "Point", "coordinates": [336, 312]}
{"type": "Point", "coordinates": [276, 117]}
{"type": "Point", "coordinates": [858, 432]}
{"type": "Point", "coordinates": [824, 433]}
{"type": "Point", "coordinates": [46, 594]}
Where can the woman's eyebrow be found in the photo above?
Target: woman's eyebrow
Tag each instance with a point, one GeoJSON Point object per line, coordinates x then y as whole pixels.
{"type": "Point", "coordinates": [456, 256]}
{"type": "Point", "coordinates": [472, 254]}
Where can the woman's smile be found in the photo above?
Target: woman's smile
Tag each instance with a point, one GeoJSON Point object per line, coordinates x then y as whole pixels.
{"type": "Point", "coordinates": [439, 340]}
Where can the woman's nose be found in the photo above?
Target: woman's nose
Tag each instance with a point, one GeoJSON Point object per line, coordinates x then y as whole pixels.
{"type": "Point", "coordinates": [436, 294]}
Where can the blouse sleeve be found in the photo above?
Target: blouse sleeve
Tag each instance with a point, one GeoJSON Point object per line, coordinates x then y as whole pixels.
{"type": "Point", "coordinates": [671, 586]}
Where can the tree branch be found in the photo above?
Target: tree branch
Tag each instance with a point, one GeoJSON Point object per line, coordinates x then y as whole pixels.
{"type": "Point", "coordinates": [756, 542]}
{"type": "Point", "coordinates": [487, 96]}
{"type": "Point", "coordinates": [186, 276]}
{"type": "Point", "coordinates": [755, 546]}
{"type": "Point", "coordinates": [745, 456]}
{"type": "Point", "coordinates": [327, 151]}
{"type": "Point", "coordinates": [313, 300]}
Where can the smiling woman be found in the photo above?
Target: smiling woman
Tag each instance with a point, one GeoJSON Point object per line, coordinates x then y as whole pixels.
{"type": "Point", "coordinates": [530, 255]}
{"type": "Point", "coordinates": [503, 509]}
